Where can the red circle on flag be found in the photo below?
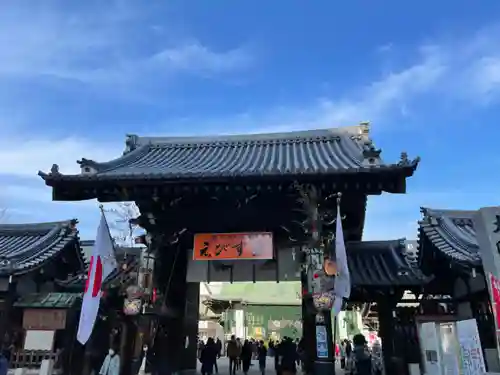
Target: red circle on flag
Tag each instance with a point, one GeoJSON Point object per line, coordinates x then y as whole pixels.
{"type": "Point", "coordinates": [97, 284]}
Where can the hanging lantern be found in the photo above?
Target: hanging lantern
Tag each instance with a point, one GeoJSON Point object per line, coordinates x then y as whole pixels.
{"type": "Point", "coordinates": [133, 302]}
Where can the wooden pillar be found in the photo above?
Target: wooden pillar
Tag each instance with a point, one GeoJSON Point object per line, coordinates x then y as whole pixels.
{"type": "Point", "coordinates": [386, 308]}
{"type": "Point", "coordinates": [170, 272]}
{"type": "Point", "coordinates": [191, 317]}
{"type": "Point", "coordinates": [308, 334]}
{"type": "Point", "coordinates": [131, 357]}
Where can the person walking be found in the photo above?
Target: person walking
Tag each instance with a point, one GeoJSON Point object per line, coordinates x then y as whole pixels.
{"type": "Point", "coordinates": [218, 348]}
{"type": "Point", "coordinates": [111, 364]}
{"type": "Point", "coordinates": [246, 356]}
{"type": "Point", "coordinates": [361, 362]}
{"type": "Point", "coordinates": [208, 357]}
{"type": "Point", "coordinates": [233, 353]}
{"type": "Point", "coordinates": [288, 354]}
{"type": "Point", "coordinates": [342, 354]}
{"type": "Point", "coordinates": [262, 356]}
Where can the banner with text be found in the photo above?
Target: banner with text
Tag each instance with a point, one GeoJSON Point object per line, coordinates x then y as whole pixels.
{"type": "Point", "coordinates": [233, 246]}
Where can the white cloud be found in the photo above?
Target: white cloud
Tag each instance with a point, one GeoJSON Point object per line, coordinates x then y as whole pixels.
{"type": "Point", "coordinates": [21, 157]}
{"type": "Point", "coordinates": [66, 47]}
{"type": "Point", "coordinates": [198, 58]}
{"type": "Point", "coordinates": [466, 68]}
{"type": "Point", "coordinates": [95, 43]}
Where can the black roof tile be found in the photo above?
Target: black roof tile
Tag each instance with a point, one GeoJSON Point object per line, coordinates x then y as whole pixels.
{"type": "Point", "coordinates": [27, 246]}
{"type": "Point", "coordinates": [451, 232]}
{"type": "Point", "coordinates": [334, 151]}
{"type": "Point", "coordinates": [383, 263]}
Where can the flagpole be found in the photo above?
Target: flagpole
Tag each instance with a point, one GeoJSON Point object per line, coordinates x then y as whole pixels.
{"type": "Point", "coordinates": [103, 213]}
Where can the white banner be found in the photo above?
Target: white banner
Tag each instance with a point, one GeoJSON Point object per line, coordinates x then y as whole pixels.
{"type": "Point", "coordinates": [471, 352]}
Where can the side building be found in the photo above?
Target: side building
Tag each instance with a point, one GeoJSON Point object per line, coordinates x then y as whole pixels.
{"type": "Point", "coordinates": [37, 320]}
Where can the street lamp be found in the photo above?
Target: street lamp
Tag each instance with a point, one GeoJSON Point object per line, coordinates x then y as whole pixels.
{"type": "Point", "coordinates": [6, 269]}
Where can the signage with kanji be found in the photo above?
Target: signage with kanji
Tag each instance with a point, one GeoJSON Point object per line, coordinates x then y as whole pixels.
{"type": "Point", "coordinates": [233, 246]}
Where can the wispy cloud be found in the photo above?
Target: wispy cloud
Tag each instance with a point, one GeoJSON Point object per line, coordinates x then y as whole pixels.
{"type": "Point", "coordinates": [471, 72]}
{"type": "Point", "coordinates": [97, 43]}
{"type": "Point", "coordinates": [467, 68]}
{"type": "Point", "coordinates": [25, 157]}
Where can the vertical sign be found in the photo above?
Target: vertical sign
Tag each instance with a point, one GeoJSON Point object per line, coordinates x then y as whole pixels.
{"type": "Point", "coordinates": [487, 226]}
{"type": "Point", "coordinates": [471, 353]}
{"type": "Point", "coordinates": [449, 348]}
{"type": "Point", "coordinates": [495, 298]}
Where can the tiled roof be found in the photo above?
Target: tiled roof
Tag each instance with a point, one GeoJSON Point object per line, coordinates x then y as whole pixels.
{"type": "Point", "coordinates": [48, 300]}
{"type": "Point", "coordinates": [27, 246]}
{"type": "Point", "coordinates": [452, 233]}
{"type": "Point", "coordinates": [334, 151]}
{"type": "Point", "coordinates": [382, 263]}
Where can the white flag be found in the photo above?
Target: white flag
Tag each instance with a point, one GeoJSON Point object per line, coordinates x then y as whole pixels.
{"type": "Point", "coordinates": [337, 305]}
{"type": "Point", "coordinates": [342, 284]}
{"type": "Point", "coordinates": [102, 263]}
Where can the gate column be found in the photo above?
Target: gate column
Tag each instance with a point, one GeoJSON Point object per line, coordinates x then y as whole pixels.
{"type": "Point", "coordinates": [191, 318]}
{"type": "Point", "coordinates": [386, 315]}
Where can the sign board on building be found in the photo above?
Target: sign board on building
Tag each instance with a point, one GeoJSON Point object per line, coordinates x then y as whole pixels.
{"type": "Point", "coordinates": [471, 353]}
{"type": "Point", "coordinates": [487, 226]}
{"type": "Point", "coordinates": [231, 246]}
{"type": "Point", "coordinates": [46, 320]}
{"type": "Point", "coordinates": [495, 298]}
{"type": "Point", "coordinates": [39, 340]}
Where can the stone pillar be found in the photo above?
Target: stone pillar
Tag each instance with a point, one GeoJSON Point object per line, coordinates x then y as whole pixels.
{"type": "Point", "coordinates": [189, 357]}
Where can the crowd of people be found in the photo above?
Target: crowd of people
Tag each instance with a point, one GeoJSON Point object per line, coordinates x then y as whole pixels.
{"type": "Point", "coordinates": [356, 358]}
{"type": "Point", "coordinates": [287, 355]}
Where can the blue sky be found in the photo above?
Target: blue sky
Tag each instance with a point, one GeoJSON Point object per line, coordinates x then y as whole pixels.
{"type": "Point", "coordinates": [76, 76]}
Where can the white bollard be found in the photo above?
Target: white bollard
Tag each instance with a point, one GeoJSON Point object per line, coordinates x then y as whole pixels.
{"type": "Point", "coordinates": [46, 367]}
{"type": "Point", "coordinates": [20, 371]}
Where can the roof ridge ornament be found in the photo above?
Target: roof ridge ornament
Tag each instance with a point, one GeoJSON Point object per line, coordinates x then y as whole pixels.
{"type": "Point", "coordinates": [406, 161]}
{"type": "Point", "coordinates": [364, 129]}
{"type": "Point", "coordinates": [54, 171]}
{"type": "Point", "coordinates": [131, 143]}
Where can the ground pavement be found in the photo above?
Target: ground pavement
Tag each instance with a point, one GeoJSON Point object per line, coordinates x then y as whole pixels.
{"type": "Point", "coordinates": [223, 364]}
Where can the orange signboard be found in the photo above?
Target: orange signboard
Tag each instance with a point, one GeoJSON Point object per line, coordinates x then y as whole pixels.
{"type": "Point", "coordinates": [213, 246]}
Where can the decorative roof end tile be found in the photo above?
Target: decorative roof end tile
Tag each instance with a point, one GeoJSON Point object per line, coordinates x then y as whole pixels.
{"type": "Point", "coordinates": [88, 167]}
{"type": "Point", "coordinates": [371, 155]}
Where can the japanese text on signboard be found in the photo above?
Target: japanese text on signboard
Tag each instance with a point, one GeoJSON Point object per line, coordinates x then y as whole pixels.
{"type": "Point", "coordinates": [495, 294]}
{"type": "Point", "coordinates": [233, 246]}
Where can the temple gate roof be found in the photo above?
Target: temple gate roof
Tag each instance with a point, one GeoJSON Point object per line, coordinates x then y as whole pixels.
{"type": "Point", "coordinates": [24, 247]}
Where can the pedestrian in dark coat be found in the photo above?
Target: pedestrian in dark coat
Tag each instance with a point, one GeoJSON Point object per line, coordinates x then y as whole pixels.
{"type": "Point", "coordinates": [208, 357]}
{"type": "Point", "coordinates": [246, 356]}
